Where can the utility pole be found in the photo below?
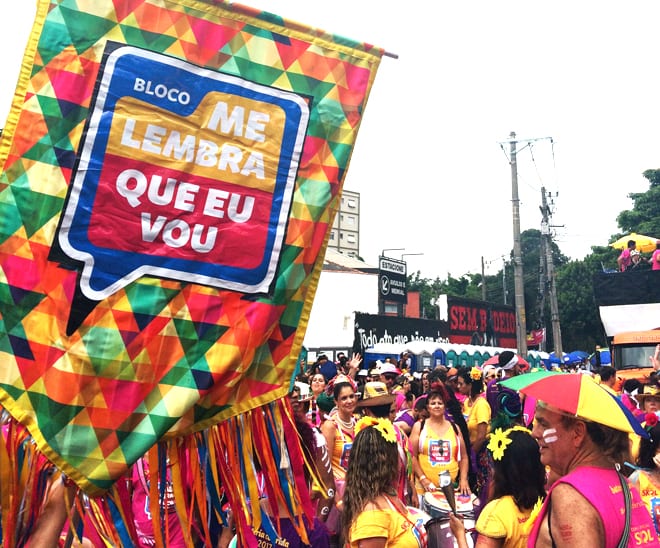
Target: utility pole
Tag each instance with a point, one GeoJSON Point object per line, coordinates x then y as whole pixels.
{"type": "Point", "coordinates": [519, 288]}
{"type": "Point", "coordinates": [554, 307]}
{"type": "Point", "coordinates": [521, 321]}
{"type": "Point", "coordinates": [483, 279]}
{"type": "Point", "coordinates": [543, 289]}
{"type": "Point", "coordinates": [504, 278]}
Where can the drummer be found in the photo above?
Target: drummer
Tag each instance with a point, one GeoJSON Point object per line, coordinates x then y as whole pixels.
{"type": "Point", "coordinates": [437, 445]}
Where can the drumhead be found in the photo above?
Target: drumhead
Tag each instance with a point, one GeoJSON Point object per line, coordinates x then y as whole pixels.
{"type": "Point", "coordinates": [437, 501]}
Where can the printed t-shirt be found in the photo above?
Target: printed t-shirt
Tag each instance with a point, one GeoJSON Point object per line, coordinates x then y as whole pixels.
{"type": "Point", "coordinates": [502, 519]}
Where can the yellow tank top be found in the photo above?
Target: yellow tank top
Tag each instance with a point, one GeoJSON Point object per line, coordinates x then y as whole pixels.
{"type": "Point", "coordinates": [438, 453]}
{"type": "Point", "coordinates": [341, 451]}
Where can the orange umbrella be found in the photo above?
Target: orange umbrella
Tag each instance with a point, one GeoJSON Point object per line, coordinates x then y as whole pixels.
{"type": "Point", "coordinates": [645, 244]}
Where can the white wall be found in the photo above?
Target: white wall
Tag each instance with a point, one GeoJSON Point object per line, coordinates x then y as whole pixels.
{"type": "Point", "coordinates": [339, 294]}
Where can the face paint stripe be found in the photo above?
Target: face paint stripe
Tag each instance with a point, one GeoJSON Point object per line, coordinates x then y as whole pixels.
{"type": "Point", "coordinates": [550, 435]}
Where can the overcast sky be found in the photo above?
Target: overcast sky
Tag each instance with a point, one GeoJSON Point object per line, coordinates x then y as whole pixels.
{"type": "Point", "coordinates": [429, 163]}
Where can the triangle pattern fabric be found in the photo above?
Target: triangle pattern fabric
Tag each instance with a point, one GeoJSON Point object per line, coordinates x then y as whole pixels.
{"type": "Point", "coordinates": [117, 341]}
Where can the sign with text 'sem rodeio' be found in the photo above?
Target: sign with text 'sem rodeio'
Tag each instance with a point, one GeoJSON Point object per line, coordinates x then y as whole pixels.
{"type": "Point", "coordinates": [184, 173]}
{"type": "Point", "coordinates": [392, 280]}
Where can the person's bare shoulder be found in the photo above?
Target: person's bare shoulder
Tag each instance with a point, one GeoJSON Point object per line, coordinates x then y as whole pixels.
{"type": "Point", "coordinates": [574, 521]}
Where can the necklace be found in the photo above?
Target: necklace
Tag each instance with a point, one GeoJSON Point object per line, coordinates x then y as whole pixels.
{"type": "Point", "coordinates": [346, 425]}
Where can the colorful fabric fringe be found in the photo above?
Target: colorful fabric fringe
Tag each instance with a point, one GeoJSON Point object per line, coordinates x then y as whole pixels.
{"type": "Point", "coordinates": [169, 175]}
{"type": "Point", "coordinates": [208, 471]}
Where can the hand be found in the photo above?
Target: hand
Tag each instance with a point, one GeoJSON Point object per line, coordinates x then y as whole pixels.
{"type": "Point", "coordinates": [355, 361]}
{"type": "Point", "coordinates": [464, 487]}
{"type": "Point", "coordinates": [456, 525]}
{"type": "Point", "coordinates": [656, 460]}
{"type": "Point", "coordinates": [655, 359]}
{"type": "Point", "coordinates": [430, 486]}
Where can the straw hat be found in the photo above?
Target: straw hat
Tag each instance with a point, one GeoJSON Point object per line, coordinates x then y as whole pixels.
{"type": "Point", "coordinates": [375, 393]}
{"type": "Point", "coordinates": [648, 391]}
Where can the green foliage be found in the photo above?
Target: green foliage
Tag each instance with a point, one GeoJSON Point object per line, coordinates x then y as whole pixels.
{"type": "Point", "coordinates": [644, 217]}
{"type": "Point", "coordinates": [578, 316]}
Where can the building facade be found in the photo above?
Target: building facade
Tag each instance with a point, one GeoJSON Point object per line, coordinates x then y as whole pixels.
{"type": "Point", "coordinates": [345, 233]}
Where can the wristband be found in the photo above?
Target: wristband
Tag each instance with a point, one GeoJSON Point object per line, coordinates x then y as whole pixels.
{"type": "Point", "coordinates": [422, 477]}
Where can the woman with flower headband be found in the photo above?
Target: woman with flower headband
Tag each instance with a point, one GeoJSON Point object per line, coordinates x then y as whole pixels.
{"type": "Point", "coordinates": [517, 492]}
{"type": "Point", "coordinates": [339, 432]}
{"type": "Point", "coordinates": [373, 515]}
{"type": "Point", "coordinates": [477, 413]}
{"type": "Point", "coordinates": [437, 445]}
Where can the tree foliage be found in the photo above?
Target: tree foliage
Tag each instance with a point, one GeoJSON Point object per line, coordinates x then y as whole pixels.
{"type": "Point", "coordinates": [644, 217]}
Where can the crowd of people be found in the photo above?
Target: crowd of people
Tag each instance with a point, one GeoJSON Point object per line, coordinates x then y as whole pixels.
{"type": "Point", "coordinates": [534, 475]}
{"type": "Point", "coordinates": [631, 258]}
{"type": "Point", "coordinates": [446, 457]}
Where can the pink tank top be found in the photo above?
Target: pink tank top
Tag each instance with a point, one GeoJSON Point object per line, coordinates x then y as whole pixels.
{"type": "Point", "coordinates": [602, 488]}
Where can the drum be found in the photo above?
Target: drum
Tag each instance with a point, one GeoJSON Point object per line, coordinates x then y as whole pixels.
{"type": "Point", "coordinates": [437, 528]}
{"type": "Point", "coordinates": [435, 504]}
{"type": "Point", "coordinates": [439, 535]}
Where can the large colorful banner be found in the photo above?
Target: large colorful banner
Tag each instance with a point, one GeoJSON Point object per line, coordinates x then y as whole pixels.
{"type": "Point", "coordinates": [170, 171]}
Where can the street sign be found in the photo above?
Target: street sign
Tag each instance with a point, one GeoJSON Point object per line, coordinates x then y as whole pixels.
{"type": "Point", "coordinates": [392, 276]}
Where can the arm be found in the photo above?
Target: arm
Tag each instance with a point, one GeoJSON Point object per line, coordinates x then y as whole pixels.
{"type": "Point", "coordinates": [414, 450]}
{"type": "Point", "coordinates": [482, 431]}
{"type": "Point", "coordinates": [329, 432]}
{"type": "Point", "coordinates": [354, 365]}
{"type": "Point", "coordinates": [567, 531]}
{"type": "Point", "coordinates": [655, 359]}
{"type": "Point", "coordinates": [53, 516]}
{"type": "Point", "coordinates": [458, 530]}
{"type": "Point", "coordinates": [404, 426]}
{"type": "Point", "coordinates": [327, 496]}
{"type": "Point", "coordinates": [463, 467]}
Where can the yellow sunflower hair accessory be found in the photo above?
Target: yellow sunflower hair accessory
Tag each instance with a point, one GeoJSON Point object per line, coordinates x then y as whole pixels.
{"type": "Point", "coordinates": [384, 426]}
{"type": "Point", "coordinates": [475, 373]}
{"type": "Point", "coordinates": [500, 440]}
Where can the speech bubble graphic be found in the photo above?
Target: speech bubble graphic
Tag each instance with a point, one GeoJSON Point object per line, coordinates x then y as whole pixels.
{"type": "Point", "coordinates": [184, 173]}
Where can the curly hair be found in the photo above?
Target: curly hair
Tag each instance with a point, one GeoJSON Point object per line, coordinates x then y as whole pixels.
{"type": "Point", "coordinates": [519, 473]}
{"type": "Point", "coordinates": [373, 468]}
